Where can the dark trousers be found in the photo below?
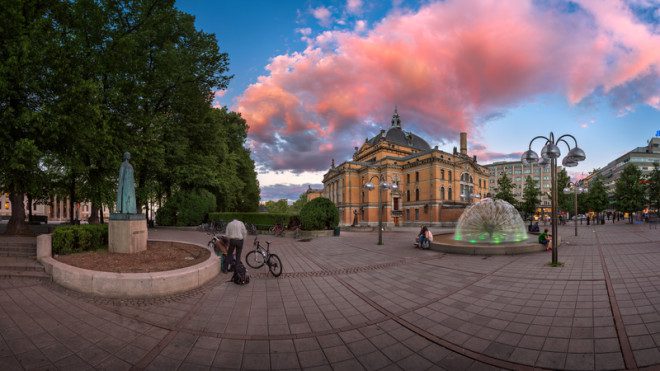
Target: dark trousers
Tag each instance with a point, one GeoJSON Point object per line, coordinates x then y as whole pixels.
{"type": "Point", "coordinates": [234, 244]}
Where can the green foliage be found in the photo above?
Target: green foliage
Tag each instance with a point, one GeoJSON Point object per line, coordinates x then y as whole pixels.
{"type": "Point", "coordinates": [531, 198]}
{"type": "Point", "coordinates": [653, 188]}
{"type": "Point", "coordinates": [504, 191]}
{"type": "Point", "coordinates": [319, 213]}
{"type": "Point", "coordinates": [597, 199]}
{"type": "Point", "coordinates": [277, 207]}
{"type": "Point", "coordinates": [79, 238]}
{"type": "Point", "coordinates": [628, 191]}
{"type": "Point", "coordinates": [260, 220]}
{"type": "Point", "coordinates": [186, 208]}
{"type": "Point", "coordinates": [299, 203]}
{"type": "Point", "coordinates": [564, 200]}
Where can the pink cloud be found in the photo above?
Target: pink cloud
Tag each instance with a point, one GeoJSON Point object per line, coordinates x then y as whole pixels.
{"type": "Point", "coordinates": [444, 66]}
{"type": "Point", "coordinates": [323, 15]}
{"type": "Point", "coordinates": [354, 6]}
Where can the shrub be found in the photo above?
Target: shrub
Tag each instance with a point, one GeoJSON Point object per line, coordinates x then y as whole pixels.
{"type": "Point", "coordinates": [319, 213]}
{"type": "Point", "coordinates": [262, 221]}
{"type": "Point", "coordinates": [186, 208]}
{"type": "Point", "coordinates": [77, 238]}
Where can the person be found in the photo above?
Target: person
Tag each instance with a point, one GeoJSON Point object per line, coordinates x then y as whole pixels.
{"type": "Point", "coordinates": [236, 232]}
{"type": "Point", "coordinates": [544, 239]}
{"type": "Point", "coordinates": [421, 237]}
{"type": "Point", "coordinates": [221, 248]}
{"type": "Point", "coordinates": [535, 227]}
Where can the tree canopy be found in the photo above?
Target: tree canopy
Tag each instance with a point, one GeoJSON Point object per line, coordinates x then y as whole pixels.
{"type": "Point", "coordinates": [653, 188]}
{"type": "Point", "coordinates": [504, 192]}
{"type": "Point", "coordinates": [628, 190]}
{"type": "Point", "coordinates": [531, 198]}
{"type": "Point", "coordinates": [597, 199]}
{"type": "Point", "coordinates": [83, 82]}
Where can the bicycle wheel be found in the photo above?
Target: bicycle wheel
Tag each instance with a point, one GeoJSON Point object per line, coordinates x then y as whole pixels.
{"type": "Point", "coordinates": [254, 259]}
{"type": "Point", "coordinates": [275, 265]}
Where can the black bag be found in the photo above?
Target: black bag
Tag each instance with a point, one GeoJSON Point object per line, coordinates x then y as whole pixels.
{"type": "Point", "coordinates": [240, 276]}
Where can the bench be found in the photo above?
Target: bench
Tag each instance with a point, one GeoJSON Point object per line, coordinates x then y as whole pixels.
{"type": "Point", "coordinates": [38, 219]}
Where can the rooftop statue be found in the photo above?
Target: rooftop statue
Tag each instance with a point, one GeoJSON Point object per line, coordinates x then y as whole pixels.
{"type": "Point", "coordinates": [126, 188]}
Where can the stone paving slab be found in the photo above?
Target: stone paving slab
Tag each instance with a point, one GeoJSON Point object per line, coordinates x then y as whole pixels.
{"type": "Point", "coordinates": [347, 303]}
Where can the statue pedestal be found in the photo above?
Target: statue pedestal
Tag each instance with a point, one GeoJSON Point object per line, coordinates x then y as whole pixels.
{"type": "Point", "coordinates": [127, 233]}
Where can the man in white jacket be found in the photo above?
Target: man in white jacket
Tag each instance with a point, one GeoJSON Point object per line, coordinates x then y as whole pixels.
{"type": "Point", "coordinates": [236, 233]}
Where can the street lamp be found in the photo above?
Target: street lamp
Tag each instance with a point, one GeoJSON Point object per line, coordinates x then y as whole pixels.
{"type": "Point", "coordinates": [551, 152]}
{"type": "Point", "coordinates": [382, 184]}
{"type": "Point", "coordinates": [573, 187]}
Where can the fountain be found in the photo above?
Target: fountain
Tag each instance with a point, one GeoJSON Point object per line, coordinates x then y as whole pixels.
{"type": "Point", "coordinates": [490, 221]}
{"type": "Point", "coordinates": [489, 227]}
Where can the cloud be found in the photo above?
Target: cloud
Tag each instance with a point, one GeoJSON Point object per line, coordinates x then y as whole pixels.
{"type": "Point", "coordinates": [287, 191]}
{"type": "Point", "coordinates": [587, 124]}
{"type": "Point", "coordinates": [486, 156]}
{"type": "Point", "coordinates": [449, 66]}
{"type": "Point", "coordinates": [360, 26]}
{"type": "Point", "coordinates": [323, 15]}
{"type": "Point", "coordinates": [354, 6]}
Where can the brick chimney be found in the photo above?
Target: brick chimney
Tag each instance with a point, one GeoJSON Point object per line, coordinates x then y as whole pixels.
{"type": "Point", "coordinates": [464, 143]}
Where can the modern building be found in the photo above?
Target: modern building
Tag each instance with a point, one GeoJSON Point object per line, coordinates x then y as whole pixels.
{"type": "Point", "coordinates": [643, 157]}
{"type": "Point", "coordinates": [518, 173]}
{"type": "Point", "coordinates": [432, 186]}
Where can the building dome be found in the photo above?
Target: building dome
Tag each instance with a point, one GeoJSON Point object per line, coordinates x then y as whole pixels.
{"type": "Point", "coordinates": [397, 135]}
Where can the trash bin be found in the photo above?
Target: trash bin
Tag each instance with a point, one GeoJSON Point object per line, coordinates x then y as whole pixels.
{"type": "Point", "coordinates": [336, 231]}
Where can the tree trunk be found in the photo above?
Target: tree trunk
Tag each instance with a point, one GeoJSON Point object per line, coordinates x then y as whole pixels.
{"type": "Point", "coordinates": [72, 199]}
{"type": "Point", "coordinates": [29, 207]}
{"type": "Point", "coordinates": [101, 211]}
{"type": "Point", "coordinates": [17, 224]}
{"type": "Point", "coordinates": [94, 214]}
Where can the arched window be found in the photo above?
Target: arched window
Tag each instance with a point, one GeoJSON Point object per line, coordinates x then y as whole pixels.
{"type": "Point", "coordinates": [417, 194]}
{"type": "Point", "coordinates": [442, 174]}
{"type": "Point", "coordinates": [442, 193]}
{"type": "Point", "coordinates": [449, 195]}
{"type": "Point", "coordinates": [450, 175]}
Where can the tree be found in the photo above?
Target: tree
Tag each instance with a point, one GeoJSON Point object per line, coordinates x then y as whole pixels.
{"type": "Point", "coordinates": [531, 198]}
{"type": "Point", "coordinates": [597, 196]}
{"type": "Point", "coordinates": [628, 190]}
{"type": "Point", "coordinates": [564, 200]}
{"type": "Point", "coordinates": [277, 207]}
{"type": "Point", "coordinates": [504, 190]}
{"type": "Point", "coordinates": [299, 203]}
{"type": "Point", "coordinates": [319, 213]}
{"type": "Point", "coordinates": [653, 188]}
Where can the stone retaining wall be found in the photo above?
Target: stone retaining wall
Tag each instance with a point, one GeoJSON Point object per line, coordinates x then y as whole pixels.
{"type": "Point", "coordinates": [126, 285]}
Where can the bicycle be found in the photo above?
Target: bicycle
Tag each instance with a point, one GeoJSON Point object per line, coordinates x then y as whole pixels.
{"type": "Point", "coordinates": [260, 256]}
{"type": "Point", "coordinates": [276, 230]}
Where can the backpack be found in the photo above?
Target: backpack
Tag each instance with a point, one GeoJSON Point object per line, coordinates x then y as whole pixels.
{"type": "Point", "coordinates": [426, 244]}
{"type": "Point", "coordinates": [240, 276]}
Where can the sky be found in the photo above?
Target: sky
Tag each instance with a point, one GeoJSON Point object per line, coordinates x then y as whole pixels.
{"type": "Point", "coordinates": [314, 79]}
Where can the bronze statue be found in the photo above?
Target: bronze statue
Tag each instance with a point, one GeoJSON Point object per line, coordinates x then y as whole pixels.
{"type": "Point", "coordinates": [126, 188]}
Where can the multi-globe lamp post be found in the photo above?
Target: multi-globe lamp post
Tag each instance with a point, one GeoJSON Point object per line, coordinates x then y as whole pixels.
{"type": "Point", "coordinates": [575, 189]}
{"type": "Point", "coordinates": [382, 184]}
{"type": "Point", "coordinates": [551, 152]}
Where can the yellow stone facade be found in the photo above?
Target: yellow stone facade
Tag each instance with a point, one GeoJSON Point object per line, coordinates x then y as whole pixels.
{"type": "Point", "coordinates": [433, 186]}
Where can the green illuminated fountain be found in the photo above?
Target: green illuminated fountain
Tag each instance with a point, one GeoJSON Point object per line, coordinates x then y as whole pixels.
{"type": "Point", "coordinates": [491, 222]}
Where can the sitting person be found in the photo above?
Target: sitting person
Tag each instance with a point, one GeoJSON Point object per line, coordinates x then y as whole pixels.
{"type": "Point", "coordinates": [535, 227]}
{"type": "Point", "coordinates": [544, 239]}
{"type": "Point", "coordinates": [221, 247]}
{"type": "Point", "coordinates": [425, 237]}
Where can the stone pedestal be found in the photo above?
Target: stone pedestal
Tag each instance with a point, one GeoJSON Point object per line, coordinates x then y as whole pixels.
{"type": "Point", "coordinates": [127, 233]}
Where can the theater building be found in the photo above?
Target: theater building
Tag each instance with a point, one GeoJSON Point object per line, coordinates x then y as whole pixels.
{"type": "Point", "coordinates": [433, 186]}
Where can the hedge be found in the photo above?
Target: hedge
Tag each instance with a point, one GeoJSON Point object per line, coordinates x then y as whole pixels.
{"type": "Point", "coordinates": [186, 208]}
{"type": "Point", "coordinates": [77, 238]}
{"type": "Point", "coordinates": [260, 220]}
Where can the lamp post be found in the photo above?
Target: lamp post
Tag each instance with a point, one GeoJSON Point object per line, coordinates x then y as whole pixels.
{"type": "Point", "coordinates": [551, 152]}
{"type": "Point", "coordinates": [382, 184]}
{"type": "Point", "coordinates": [573, 187]}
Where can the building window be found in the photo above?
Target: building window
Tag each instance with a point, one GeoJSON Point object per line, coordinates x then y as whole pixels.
{"type": "Point", "coordinates": [450, 175]}
{"type": "Point", "coordinates": [416, 214]}
{"type": "Point", "coordinates": [442, 193]}
{"type": "Point", "coordinates": [449, 195]}
{"type": "Point", "coordinates": [363, 200]}
{"type": "Point", "coordinates": [408, 178]}
{"type": "Point", "coordinates": [34, 206]}
{"type": "Point", "coordinates": [442, 174]}
{"type": "Point", "coordinates": [417, 194]}
{"type": "Point", "coordinates": [417, 176]}
{"type": "Point", "coordinates": [408, 195]}
{"type": "Point", "coordinates": [407, 214]}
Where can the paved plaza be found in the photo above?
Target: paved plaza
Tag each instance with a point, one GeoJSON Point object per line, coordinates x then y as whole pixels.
{"type": "Point", "coordinates": [347, 303]}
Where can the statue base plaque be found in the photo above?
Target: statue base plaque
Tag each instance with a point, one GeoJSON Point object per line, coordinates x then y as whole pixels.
{"type": "Point", "coordinates": [127, 233]}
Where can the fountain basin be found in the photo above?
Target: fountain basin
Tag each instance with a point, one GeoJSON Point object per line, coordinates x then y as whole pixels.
{"type": "Point", "coordinates": [446, 243]}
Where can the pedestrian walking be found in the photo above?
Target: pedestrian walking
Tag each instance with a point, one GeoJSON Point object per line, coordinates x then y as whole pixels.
{"type": "Point", "coordinates": [236, 232]}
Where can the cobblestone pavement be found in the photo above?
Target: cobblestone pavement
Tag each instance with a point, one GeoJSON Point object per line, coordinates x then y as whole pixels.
{"type": "Point", "coordinates": [346, 303]}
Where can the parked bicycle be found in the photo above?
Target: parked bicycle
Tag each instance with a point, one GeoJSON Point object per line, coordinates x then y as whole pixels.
{"type": "Point", "coordinates": [277, 230]}
{"type": "Point", "coordinates": [260, 256]}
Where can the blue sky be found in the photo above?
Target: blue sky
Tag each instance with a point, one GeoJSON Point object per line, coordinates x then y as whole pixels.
{"type": "Point", "coordinates": [314, 78]}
